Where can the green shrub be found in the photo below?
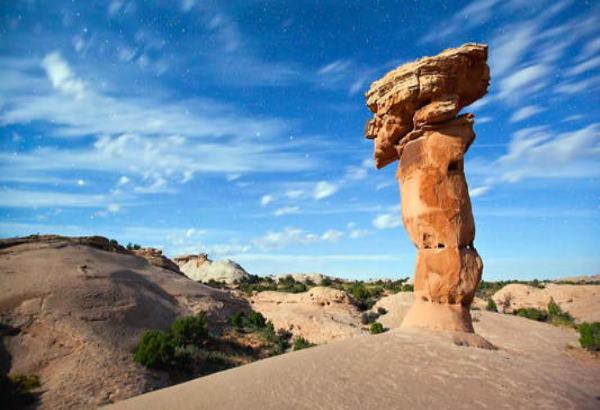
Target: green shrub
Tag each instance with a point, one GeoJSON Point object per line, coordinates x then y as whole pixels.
{"type": "Point", "coordinates": [189, 330]}
{"type": "Point", "coordinates": [279, 340]}
{"type": "Point", "coordinates": [257, 320]}
{"type": "Point", "coordinates": [533, 314]}
{"type": "Point", "coordinates": [25, 382]}
{"type": "Point", "coordinates": [557, 316]}
{"type": "Point", "coordinates": [589, 336]}
{"type": "Point", "coordinates": [156, 349]}
{"type": "Point", "coordinates": [326, 281]}
{"type": "Point", "coordinates": [16, 391]}
{"type": "Point", "coordinates": [368, 317]}
{"type": "Point", "coordinates": [381, 310]}
{"type": "Point", "coordinates": [377, 328]}
{"type": "Point", "coordinates": [359, 291]}
{"type": "Point", "coordinates": [408, 288]}
{"type": "Point", "coordinates": [491, 306]}
{"type": "Point", "coordinates": [236, 320]}
{"type": "Point", "coordinates": [301, 343]}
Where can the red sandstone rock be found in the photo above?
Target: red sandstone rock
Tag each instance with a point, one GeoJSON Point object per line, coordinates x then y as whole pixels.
{"type": "Point", "coordinates": [415, 109]}
{"type": "Point", "coordinates": [449, 81]}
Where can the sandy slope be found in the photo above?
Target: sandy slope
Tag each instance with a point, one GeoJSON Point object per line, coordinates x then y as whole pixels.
{"type": "Point", "coordinates": [320, 315]}
{"type": "Point", "coordinates": [581, 301]}
{"type": "Point", "coordinates": [404, 369]}
{"type": "Point", "coordinates": [79, 312]}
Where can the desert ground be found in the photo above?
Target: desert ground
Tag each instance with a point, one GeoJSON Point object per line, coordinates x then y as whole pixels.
{"type": "Point", "coordinates": [532, 368]}
{"type": "Point", "coordinates": [74, 309]}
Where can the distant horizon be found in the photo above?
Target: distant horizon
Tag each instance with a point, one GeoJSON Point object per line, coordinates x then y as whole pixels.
{"type": "Point", "coordinates": [235, 258]}
{"type": "Point", "coordinates": [236, 129]}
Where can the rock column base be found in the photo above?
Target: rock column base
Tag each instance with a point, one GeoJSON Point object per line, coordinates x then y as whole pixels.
{"type": "Point", "coordinates": [438, 316]}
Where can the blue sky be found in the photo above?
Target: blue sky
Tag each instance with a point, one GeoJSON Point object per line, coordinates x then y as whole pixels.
{"type": "Point", "coordinates": [236, 128]}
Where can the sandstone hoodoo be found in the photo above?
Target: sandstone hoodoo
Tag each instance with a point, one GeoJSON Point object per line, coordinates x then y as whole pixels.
{"type": "Point", "coordinates": [415, 122]}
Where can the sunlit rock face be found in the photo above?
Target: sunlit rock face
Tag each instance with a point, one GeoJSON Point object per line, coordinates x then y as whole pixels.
{"type": "Point", "coordinates": [415, 108]}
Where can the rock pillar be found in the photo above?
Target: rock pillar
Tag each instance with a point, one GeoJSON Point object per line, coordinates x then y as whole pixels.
{"type": "Point", "coordinates": [415, 121]}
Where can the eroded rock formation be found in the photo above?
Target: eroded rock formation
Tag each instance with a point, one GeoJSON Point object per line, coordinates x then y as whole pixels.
{"type": "Point", "coordinates": [415, 121]}
{"type": "Point", "coordinates": [201, 268]}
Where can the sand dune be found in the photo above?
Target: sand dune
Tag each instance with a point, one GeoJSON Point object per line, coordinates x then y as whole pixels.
{"type": "Point", "coordinates": [404, 369]}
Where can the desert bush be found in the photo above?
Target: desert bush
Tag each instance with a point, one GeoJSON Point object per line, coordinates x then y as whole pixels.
{"type": "Point", "coordinates": [359, 291]}
{"type": "Point", "coordinates": [236, 320]}
{"type": "Point", "coordinates": [279, 340]}
{"type": "Point", "coordinates": [156, 349]}
{"type": "Point", "coordinates": [256, 319]}
{"type": "Point", "coordinates": [326, 281]}
{"type": "Point", "coordinates": [557, 316]}
{"type": "Point", "coordinates": [491, 306]}
{"type": "Point", "coordinates": [376, 328]}
{"type": "Point", "coordinates": [16, 391]}
{"type": "Point", "coordinates": [532, 313]}
{"type": "Point", "coordinates": [301, 343]}
{"type": "Point", "coordinates": [189, 330]}
{"type": "Point", "coordinates": [133, 246]}
{"type": "Point", "coordinates": [368, 317]}
{"type": "Point", "coordinates": [589, 336]}
{"type": "Point", "coordinates": [381, 310]}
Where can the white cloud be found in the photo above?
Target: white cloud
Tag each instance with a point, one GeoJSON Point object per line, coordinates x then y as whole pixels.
{"type": "Point", "coordinates": [294, 193]}
{"type": "Point", "coordinates": [100, 113]}
{"type": "Point", "coordinates": [585, 85]}
{"type": "Point", "coordinates": [588, 65]}
{"type": "Point", "coordinates": [507, 49]}
{"type": "Point", "coordinates": [525, 112]}
{"type": "Point", "coordinates": [356, 173]}
{"type": "Point", "coordinates": [266, 200]}
{"type": "Point", "coordinates": [123, 180]}
{"type": "Point", "coordinates": [332, 235]}
{"type": "Point", "coordinates": [115, 6]}
{"type": "Point", "coordinates": [523, 82]}
{"type": "Point", "coordinates": [537, 152]}
{"type": "Point", "coordinates": [591, 48]}
{"type": "Point", "coordinates": [113, 208]}
{"type": "Point", "coordinates": [294, 236]}
{"type": "Point", "coordinates": [287, 237]}
{"type": "Point", "coordinates": [387, 221]}
{"type": "Point", "coordinates": [13, 198]}
{"type": "Point", "coordinates": [324, 189]}
{"type": "Point", "coordinates": [190, 232]}
{"type": "Point", "coordinates": [286, 210]}
{"type": "Point", "coordinates": [358, 233]}
{"type": "Point", "coordinates": [80, 182]}
{"type": "Point", "coordinates": [479, 191]}
{"type": "Point", "coordinates": [61, 77]}
{"type": "Point", "coordinates": [187, 5]}
{"type": "Point", "coordinates": [472, 15]}
{"type": "Point", "coordinates": [335, 67]}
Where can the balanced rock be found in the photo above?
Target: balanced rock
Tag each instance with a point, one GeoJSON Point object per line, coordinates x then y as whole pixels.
{"type": "Point", "coordinates": [415, 108]}
{"type": "Point", "coordinates": [428, 91]}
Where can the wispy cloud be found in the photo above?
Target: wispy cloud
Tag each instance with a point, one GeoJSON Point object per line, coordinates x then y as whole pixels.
{"type": "Point", "coordinates": [525, 112]}
{"type": "Point", "coordinates": [573, 154]}
{"type": "Point", "coordinates": [286, 210]}
{"type": "Point", "coordinates": [324, 189]}
{"type": "Point", "coordinates": [294, 236]}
